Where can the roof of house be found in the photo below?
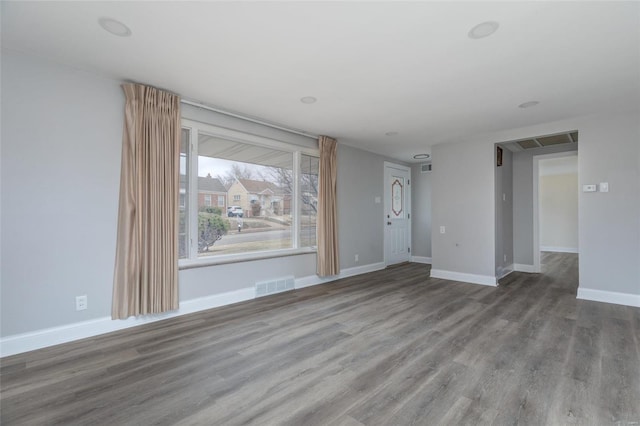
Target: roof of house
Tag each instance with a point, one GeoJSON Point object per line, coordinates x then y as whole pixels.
{"type": "Point", "coordinates": [211, 184]}
{"type": "Point", "coordinates": [259, 186]}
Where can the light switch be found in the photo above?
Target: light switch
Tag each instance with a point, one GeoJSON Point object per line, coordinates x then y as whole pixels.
{"type": "Point", "coordinates": [588, 188]}
{"type": "Point", "coordinates": [442, 229]}
{"type": "Point", "coordinates": [604, 186]}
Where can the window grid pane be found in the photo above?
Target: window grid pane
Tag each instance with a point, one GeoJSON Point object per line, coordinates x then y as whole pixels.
{"type": "Point", "coordinates": [258, 187]}
{"type": "Point", "coordinates": [183, 205]}
{"type": "Point", "coordinates": [308, 200]}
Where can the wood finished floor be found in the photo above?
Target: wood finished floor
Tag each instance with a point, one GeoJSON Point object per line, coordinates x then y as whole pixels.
{"type": "Point", "coordinates": [388, 348]}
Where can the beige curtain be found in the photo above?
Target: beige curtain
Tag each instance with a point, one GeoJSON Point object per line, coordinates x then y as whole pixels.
{"type": "Point", "coordinates": [146, 270]}
{"type": "Point", "coordinates": [328, 263]}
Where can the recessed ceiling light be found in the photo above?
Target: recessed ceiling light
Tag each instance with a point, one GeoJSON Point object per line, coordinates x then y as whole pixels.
{"type": "Point", "coordinates": [483, 30]}
{"type": "Point", "coordinates": [528, 104]}
{"type": "Point", "coordinates": [422, 156]}
{"type": "Point", "coordinates": [308, 100]}
{"type": "Point", "coordinates": [391, 134]}
{"type": "Point", "coordinates": [114, 27]}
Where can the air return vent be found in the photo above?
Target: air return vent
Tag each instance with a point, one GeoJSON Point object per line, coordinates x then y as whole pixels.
{"type": "Point", "coordinates": [276, 285]}
{"type": "Point", "coordinates": [425, 168]}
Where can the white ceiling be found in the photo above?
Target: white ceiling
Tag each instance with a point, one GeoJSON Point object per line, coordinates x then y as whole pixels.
{"type": "Point", "coordinates": [374, 67]}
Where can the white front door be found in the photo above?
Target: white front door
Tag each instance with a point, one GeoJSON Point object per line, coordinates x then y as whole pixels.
{"type": "Point", "coordinates": [397, 213]}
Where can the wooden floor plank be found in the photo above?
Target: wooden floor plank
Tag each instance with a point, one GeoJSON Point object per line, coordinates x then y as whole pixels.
{"type": "Point", "coordinates": [393, 347]}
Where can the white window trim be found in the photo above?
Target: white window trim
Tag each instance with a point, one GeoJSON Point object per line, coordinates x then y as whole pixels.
{"type": "Point", "coordinates": [237, 136]}
{"type": "Point", "coordinates": [193, 260]}
{"type": "Point", "coordinates": [241, 257]}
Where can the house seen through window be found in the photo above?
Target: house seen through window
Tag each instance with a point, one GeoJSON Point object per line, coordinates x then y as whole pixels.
{"type": "Point", "coordinates": [247, 198]}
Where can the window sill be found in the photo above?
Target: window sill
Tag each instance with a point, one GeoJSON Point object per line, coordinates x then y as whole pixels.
{"type": "Point", "coordinates": [239, 258]}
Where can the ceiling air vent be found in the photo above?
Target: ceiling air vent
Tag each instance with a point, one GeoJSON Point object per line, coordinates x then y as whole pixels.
{"type": "Point", "coordinates": [425, 168]}
{"type": "Point", "coordinates": [542, 141]}
{"type": "Point", "coordinates": [555, 140]}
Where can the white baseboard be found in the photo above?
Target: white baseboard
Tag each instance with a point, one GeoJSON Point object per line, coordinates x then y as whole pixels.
{"type": "Point", "coordinates": [626, 299]}
{"type": "Point", "coordinates": [464, 277]}
{"type": "Point", "coordinates": [30, 341]}
{"type": "Point", "coordinates": [344, 273]}
{"type": "Point", "coordinates": [519, 267]}
{"type": "Point", "coordinates": [421, 259]}
{"type": "Point", "coordinates": [503, 272]}
{"type": "Point", "coordinates": [559, 249]}
{"type": "Point", "coordinates": [25, 342]}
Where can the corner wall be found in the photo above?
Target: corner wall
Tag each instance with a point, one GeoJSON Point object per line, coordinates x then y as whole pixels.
{"type": "Point", "coordinates": [463, 201]}
{"type": "Point", "coordinates": [361, 219]}
{"type": "Point", "coordinates": [609, 223]}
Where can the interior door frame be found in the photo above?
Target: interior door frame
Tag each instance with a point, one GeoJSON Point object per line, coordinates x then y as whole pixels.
{"type": "Point", "coordinates": [386, 194]}
{"type": "Point", "coordinates": [537, 268]}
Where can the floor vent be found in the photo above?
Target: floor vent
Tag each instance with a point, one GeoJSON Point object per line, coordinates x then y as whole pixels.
{"type": "Point", "coordinates": [278, 285]}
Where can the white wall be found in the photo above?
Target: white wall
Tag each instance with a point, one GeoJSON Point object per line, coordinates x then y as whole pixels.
{"type": "Point", "coordinates": [421, 215]}
{"type": "Point", "coordinates": [558, 207]}
{"type": "Point", "coordinates": [61, 144]}
{"type": "Point", "coordinates": [61, 140]}
{"type": "Point", "coordinates": [609, 225]}
{"type": "Point", "coordinates": [462, 200]}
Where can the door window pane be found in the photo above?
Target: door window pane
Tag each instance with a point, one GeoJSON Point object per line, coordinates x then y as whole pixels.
{"type": "Point", "coordinates": [397, 197]}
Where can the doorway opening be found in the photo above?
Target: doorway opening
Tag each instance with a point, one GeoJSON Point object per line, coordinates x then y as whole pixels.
{"type": "Point", "coordinates": [518, 185]}
{"type": "Point", "coordinates": [555, 209]}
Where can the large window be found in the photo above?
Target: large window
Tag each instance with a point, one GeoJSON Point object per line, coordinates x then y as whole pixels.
{"type": "Point", "coordinates": [270, 188]}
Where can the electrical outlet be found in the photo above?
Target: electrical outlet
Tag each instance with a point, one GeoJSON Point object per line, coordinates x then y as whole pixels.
{"type": "Point", "coordinates": [357, 257]}
{"type": "Point", "coordinates": [81, 303]}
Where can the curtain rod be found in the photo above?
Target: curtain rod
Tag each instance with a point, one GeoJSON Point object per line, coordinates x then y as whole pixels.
{"type": "Point", "coordinates": [245, 118]}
